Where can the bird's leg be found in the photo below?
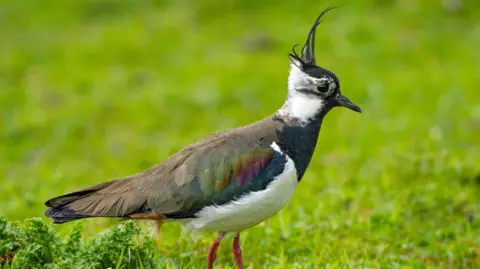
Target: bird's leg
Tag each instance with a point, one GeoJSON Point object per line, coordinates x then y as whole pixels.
{"type": "Point", "coordinates": [158, 224]}
{"type": "Point", "coordinates": [212, 252]}
{"type": "Point", "coordinates": [237, 251]}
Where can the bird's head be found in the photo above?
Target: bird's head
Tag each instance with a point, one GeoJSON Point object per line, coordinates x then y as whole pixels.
{"type": "Point", "coordinates": [311, 84]}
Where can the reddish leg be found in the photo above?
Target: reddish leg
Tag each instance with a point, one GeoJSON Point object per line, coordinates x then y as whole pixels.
{"type": "Point", "coordinates": [237, 251]}
{"type": "Point", "coordinates": [212, 252]}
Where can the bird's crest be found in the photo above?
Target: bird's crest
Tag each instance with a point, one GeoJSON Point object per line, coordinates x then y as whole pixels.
{"type": "Point", "coordinates": [308, 52]}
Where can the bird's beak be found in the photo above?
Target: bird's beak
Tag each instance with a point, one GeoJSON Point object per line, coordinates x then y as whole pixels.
{"type": "Point", "coordinates": [342, 100]}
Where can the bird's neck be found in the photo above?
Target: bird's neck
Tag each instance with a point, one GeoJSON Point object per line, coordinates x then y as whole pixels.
{"type": "Point", "coordinates": [298, 131]}
{"type": "Point", "coordinates": [301, 107]}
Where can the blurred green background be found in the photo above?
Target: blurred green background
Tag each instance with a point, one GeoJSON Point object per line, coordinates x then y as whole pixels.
{"type": "Point", "coordinates": [99, 89]}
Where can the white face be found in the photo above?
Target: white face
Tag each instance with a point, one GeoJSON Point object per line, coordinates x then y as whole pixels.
{"type": "Point", "coordinates": [301, 82]}
{"type": "Point", "coordinates": [306, 94]}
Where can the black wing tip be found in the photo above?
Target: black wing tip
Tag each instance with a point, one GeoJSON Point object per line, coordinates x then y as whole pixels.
{"type": "Point", "coordinates": [50, 203]}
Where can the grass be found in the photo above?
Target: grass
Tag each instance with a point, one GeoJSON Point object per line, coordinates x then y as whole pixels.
{"type": "Point", "coordinates": [94, 90]}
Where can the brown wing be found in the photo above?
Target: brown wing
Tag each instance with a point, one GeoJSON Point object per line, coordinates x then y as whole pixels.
{"type": "Point", "coordinates": [173, 186]}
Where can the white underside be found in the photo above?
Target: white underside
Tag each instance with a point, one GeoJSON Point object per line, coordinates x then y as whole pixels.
{"type": "Point", "coordinates": [250, 209]}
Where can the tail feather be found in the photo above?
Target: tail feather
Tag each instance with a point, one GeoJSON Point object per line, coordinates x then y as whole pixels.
{"type": "Point", "coordinates": [72, 196]}
{"type": "Point", "coordinates": [116, 198]}
{"type": "Point", "coordinates": [62, 215]}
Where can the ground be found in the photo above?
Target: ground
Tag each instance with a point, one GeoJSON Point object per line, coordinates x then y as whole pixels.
{"type": "Point", "coordinates": [99, 89]}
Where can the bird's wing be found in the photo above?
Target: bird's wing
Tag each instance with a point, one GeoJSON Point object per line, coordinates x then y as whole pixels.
{"type": "Point", "coordinates": [219, 175]}
{"type": "Point", "coordinates": [212, 171]}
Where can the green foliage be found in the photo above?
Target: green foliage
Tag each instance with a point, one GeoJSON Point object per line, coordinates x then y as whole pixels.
{"type": "Point", "coordinates": [36, 245]}
{"type": "Point", "coordinates": [119, 240]}
{"type": "Point", "coordinates": [97, 89]}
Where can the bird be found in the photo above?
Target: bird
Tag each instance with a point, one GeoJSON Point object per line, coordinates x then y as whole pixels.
{"type": "Point", "coordinates": [229, 181]}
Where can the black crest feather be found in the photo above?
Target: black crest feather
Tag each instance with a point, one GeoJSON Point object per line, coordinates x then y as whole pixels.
{"type": "Point", "coordinates": [308, 52]}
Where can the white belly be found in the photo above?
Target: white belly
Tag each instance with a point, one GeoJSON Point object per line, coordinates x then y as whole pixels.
{"type": "Point", "coordinates": [250, 209]}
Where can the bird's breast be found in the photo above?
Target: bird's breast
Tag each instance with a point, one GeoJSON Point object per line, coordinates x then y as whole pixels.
{"type": "Point", "coordinates": [251, 208]}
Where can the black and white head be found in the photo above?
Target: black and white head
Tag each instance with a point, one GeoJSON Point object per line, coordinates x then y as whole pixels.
{"type": "Point", "coordinates": [312, 89]}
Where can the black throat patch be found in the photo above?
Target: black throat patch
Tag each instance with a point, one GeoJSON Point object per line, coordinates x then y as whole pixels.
{"type": "Point", "coordinates": [298, 141]}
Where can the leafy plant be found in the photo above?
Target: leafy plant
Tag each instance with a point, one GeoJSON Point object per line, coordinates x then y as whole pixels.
{"type": "Point", "coordinates": [37, 245]}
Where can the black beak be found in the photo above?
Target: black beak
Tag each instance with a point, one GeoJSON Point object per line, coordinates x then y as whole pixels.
{"type": "Point", "coordinates": [342, 100]}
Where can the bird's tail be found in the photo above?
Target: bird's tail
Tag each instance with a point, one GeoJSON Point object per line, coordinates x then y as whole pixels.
{"type": "Point", "coordinates": [115, 198]}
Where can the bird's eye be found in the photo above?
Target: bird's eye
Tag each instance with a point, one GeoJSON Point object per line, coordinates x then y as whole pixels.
{"type": "Point", "coordinates": [322, 88]}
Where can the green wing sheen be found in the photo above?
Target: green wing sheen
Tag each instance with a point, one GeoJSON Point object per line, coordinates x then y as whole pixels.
{"type": "Point", "coordinates": [220, 176]}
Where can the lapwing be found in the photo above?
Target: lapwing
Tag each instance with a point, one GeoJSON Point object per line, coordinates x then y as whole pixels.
{"type": "Point", "coordinates": [231, 180]}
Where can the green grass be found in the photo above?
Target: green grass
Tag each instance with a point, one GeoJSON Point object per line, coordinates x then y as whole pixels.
{"type": "Point", "coordinates": [94, 90]}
